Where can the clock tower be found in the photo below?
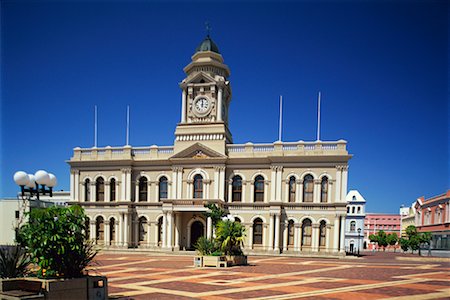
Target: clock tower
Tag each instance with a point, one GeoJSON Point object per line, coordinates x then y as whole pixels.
{"type": "Point", "coordinates": [206, 96]}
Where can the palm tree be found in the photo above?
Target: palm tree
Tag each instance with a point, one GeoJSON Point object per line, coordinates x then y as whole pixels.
{"type": "Point", "coordinates": [230, 236]}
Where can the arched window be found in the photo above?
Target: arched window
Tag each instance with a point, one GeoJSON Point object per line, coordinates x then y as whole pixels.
{"type": "Point", "coordinates": [353, 209]}
{"type": "Point", "coordinates": [359, 209]}
{"type": "Point", "coordinates": [257, 231]}
{"type": "Point", "coordinates": [143, 189]}
{"type": "Point", "coordinates": [324, 189]}
{"type": "Point", "coordinates": [236, 189]}
{"type": "Point", "coordinates": [162, 188]}
{"type": "Point", "coordinates": [258, 194]}
{"type": "Point", "coordinates": [353, 226]}
{"type": "Point", "coordinates": [237, 220]}
{"type": "Point", "coordinates": [291, 233]}
{"type": "Point", "coordinates": [99, 230]}
{"type": "Point", "coordinates": [306, 233]}
{"type": "Point", "coordinates": [322, 234]}
{"type": "Point", "coordinates": [112, 190]}
{"type": "Point", "coordinates": [142, 230]}
{"type": "Point", "coordinates": [87, 190]}
{"type": "Point", "coordinates": [112, 231]}
{"type": "Point", "coordinates": [87, 228]}
{"type": "Point", "coordinates": [292, 189]}
{"type": "Point", "coordinates": [308, 188]}
{"type": "Point", "coordinates": [348, 209]}
{"type": "Point", "coordinates": [198, 186]}
{"type": "Point", "coordinates": [100, 190]}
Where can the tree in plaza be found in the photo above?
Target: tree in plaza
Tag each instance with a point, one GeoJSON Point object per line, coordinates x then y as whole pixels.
{"type": "Point", "coordinates": [392, 239]}
{"type": "Point", "coordinates": [417, 239]}
{"type": "Point", "coordinates": [382, 239]}
{"type": "Point", "coordinates": [373, 238]}
{"type": "Point", "coordinates": [404, 244]}
{"type": "Point", "coordinates": [215, 213]}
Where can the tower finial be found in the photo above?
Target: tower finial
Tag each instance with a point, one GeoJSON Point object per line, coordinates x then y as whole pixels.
{"type": "Point", "coordinates": [208, 28]}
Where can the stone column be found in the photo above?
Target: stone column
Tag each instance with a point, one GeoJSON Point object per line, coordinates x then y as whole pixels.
{"type": "Point", "coordinates": [216, 182]}
{"type": "Point", "coordinates": [72, 185]}
{"type": "Point", "coordinates": [299, 191]}
{"type": "Point", "coordinates": [330, 189]}
{"type": "Point", "coordinates": [126, 230]}
{"type": "Point", "coordinates": [179, 183]}
{"type": "Point", "coordinates": [117, 238]}
{"type": "Point", "coordinates": [123, 185]}
{"type": "Point", "coordinates": [106, 238]}
{"type": "Point", "coordinates": [174, 182]}
{"type": "Point", "coordinates": [273, 183]}
{"type": "Point", "coordinates": [93, 190]}
{"type": "Point", "coordinates": [107, 192]}
{"type": "Point", "coordinates": [271, 232]}
{"type": "Point", "coordinates": [135, 232]}
{"type": "Point", "coordinates": [221, 183]}
{"type": "Point", "coordinates": [338, 184]}
{"type": "Point", "coordinates": [297, 237]}
{"type": "Point", "coordinates": [128, 183]}
{"type": "Point", "coordinates": [277, 233]}
{"type": "Point", "coordinates": [119, 241]}
{"type": "Point", "coordinates": [164, 230]}
{"type": "Point", "coordinates": [316, 198]}
{"type": "Point", "coordinates": [285, 235]}
{"type": "Point", "coordinates": [278, 183]}
{"type": "Point", "coordinates": [250, 236]}
{"type": "Point", "coordinates": [177, 231]}
{"type": "Point", "coordinates": [230, 191]}
{"type": "Point", "coordinates": [92, 229]}
{"type": "Point", "coordinates": [208, 228]}
{"type": "Point", "coordinates": [341, 244]}
{"type": "Point", "coordinates": [219, 105]}
{"type": "Point", "coordinates": [156, 231]}
{"type": "Point", "coordinates": [327, 238]}
{"type": "Point", "coordinates": [183, 106]}
{"type": "Point", "coordinates": [169, 230]}
{"type": "Point", "coordinates": [344, 183]}
{"type": "Point", "coordinates": [336, 234]}
{"type": "Point", "coordinates": [315, 237]}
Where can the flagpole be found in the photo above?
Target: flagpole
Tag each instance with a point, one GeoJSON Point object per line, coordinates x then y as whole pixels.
{"type": "Point", "coordinates": [280, 126]}
{"type": "Point", "coordinates": [318, 118]}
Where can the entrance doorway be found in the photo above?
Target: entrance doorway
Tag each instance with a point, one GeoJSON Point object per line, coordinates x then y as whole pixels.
{"type": "Point", "coordinates": [197, 231]}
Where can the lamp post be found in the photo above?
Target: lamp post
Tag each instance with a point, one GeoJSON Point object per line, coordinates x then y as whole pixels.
{"type": "Point", "coordinates": [41, 183]}
{"type": "Point", "coordinates": [359, 239]}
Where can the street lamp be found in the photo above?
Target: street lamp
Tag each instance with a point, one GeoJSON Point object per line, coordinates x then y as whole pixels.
{"type": "Point", "coordinates": [359, 239]}
{"type": "Point", "coordinates": [35, 185]}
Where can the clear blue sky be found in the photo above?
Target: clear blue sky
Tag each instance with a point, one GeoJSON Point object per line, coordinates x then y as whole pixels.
{"type": "Point", "coordinates": [382, 67]}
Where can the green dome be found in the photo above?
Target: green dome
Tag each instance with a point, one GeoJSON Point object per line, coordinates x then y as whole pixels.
{"type": "Point", "coordinates": [207, 45]}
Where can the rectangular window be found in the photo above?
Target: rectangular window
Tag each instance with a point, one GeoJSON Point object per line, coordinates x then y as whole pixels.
{"type": "Point", "coordinates": [17, 214]}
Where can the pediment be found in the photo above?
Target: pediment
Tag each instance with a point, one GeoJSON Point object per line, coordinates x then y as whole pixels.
{"type": "Point", "coordinates": [198, 151]}
{"type": "Point", "coordinates": [201, 77]}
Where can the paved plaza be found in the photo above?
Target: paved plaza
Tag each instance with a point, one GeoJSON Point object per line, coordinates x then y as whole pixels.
{"type": "Point", "coordinates": [374, 276]}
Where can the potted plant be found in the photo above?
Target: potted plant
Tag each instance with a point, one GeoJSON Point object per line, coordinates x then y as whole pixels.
{"type": "Point", "coordinates": [209, 254]}
{"type": "Point", "coordinates": [230, 238]}
{"type": "Point", "coordinates": [56, 241]}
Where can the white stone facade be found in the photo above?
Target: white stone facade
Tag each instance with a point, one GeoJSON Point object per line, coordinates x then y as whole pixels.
{"type": "Point", "coordinates": [289, 196]}
{"type": "Point", "coordinates": [354, 223]}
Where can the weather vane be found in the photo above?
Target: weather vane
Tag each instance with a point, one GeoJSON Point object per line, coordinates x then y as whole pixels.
{"type": "Point", "coordinates": [208, 28]}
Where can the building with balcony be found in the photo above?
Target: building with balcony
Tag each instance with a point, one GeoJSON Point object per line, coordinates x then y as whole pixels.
{"type": "Point", "coordinates": [433, 215]}
{"type": "Point", "coordinates": [290, 196]}
{"type": "Point", "coordinates": [354, 223]}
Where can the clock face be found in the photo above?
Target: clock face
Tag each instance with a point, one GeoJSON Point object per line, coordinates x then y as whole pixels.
{"type": "Point", "coordinates": [201, 105]}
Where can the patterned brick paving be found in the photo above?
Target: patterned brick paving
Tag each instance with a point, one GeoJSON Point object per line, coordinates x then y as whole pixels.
{"type": "Point", "coordinates": [374, 276]}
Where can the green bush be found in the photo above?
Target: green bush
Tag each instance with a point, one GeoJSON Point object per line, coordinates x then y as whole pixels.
{"type": "Point", "coordinates": [230, 236]}
{"type": "Point", "coordinates": [55, 238]}
{"type": "Point", "coordinates": [14, 262]}
{"type": "Point", "coordinates": [205, 246]}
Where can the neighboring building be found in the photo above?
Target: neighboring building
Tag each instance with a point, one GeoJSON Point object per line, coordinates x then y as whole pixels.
{"type": "Point", "coordinates": [407, 217]}
{"type": "Point", "coordinates": [354, 223]}
{"type": "Point", "coordinates": [433, 215]}
{"type": "Point", "coordinates": [12, 212]}
{"type": "Point", "coordinates": [290, 196]}
{"type": "Point", "coordinates": [389, 223]}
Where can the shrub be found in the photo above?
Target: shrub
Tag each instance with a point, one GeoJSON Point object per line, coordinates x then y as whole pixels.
{"type": "Point", "coordinates": [14, 262]}
{"type": "Point", "coordinates": [230, 236]}
{"type": "Point", "coordinates": [205, 246]}
{"type": "Point", "coordinates": [55, 238]}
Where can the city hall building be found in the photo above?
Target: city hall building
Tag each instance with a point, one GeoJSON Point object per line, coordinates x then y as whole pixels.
{"type": "Point", "coordinates": [290, 196]}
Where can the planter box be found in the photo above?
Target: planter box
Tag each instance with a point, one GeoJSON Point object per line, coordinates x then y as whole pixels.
{"type": "Point", "coordinates": [215, 261]}
{"type": "Point", "coordinates": [237, 260]}
{"type": "Point", "coordinates": [90, 287]}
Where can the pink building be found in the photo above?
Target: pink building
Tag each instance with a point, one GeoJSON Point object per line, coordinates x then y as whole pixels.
{"type": "Point", "coordinates": [373, 223]}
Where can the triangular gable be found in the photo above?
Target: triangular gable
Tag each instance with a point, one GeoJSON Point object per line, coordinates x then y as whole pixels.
{"type": "Point", "coordinates": [198, 151]}
{"type": "Point", "coordinates": [198, 78]}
